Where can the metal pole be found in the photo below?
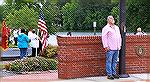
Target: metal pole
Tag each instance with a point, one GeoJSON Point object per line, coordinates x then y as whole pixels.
{"type": "Point", "coordinates": [37, 44]}
{"type": "Point", "coordinates": [94, 30]}
{"type": "Point", "coordinates": [94, 25]}
{"type": "Point", "coordinates": [122, 25]}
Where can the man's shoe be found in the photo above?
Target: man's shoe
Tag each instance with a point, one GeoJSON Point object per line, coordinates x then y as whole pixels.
{"type": "Point", "coordinates": [110, 77]}
{"type": "Point", "coordinates": [116, 76]}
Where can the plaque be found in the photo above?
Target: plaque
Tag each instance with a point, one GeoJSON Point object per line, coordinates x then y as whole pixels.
{"type": "Point", "coordinates": [140, 51]}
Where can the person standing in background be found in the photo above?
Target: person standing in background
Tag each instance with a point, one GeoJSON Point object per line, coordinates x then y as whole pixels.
{"type": "Point", "coordinates": [140, 32]}
{"type": "Point", "coordinates": [23, 41]}
{"type": "Point", "coordinates": [34, 43]}
{"type": "Point", "coordinates": [29, 36]}
{"type": "Point", "coordinates": [15, 33]}
{"type": "Point", "coordinates": [30, 33]}
{"type": "Point", "coordinates": [111, 39]}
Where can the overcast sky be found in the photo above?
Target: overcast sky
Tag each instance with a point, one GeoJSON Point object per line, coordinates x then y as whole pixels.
{"type": "Point", "coordinates": [1, 1]}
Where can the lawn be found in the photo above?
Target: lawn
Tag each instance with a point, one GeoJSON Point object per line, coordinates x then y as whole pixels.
{"type": "Point", "coordinates": [1, 66]}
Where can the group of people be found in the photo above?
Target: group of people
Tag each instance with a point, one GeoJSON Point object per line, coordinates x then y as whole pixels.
{"type": "Point", "coordinates": [24, 40]}
{"type": "Point", "coordinates": [111, 40]}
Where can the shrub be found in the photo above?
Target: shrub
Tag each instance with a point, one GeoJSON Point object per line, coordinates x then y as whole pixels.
{"type": "Point", "coordinates": [52, 63]}
{"type": "Point", "coordinates": [51, 51]}
{"type": "Point", "coordinates": [32, 64]}
{"type": "Point", "coordinates": [16, 66]}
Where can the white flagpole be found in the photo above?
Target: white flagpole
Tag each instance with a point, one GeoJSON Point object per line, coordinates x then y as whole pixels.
{"type": "Point", "coordinates": [38, 29]}
{"type": "Point", "coordinates": [37, 39]}
{"type": "Point", "coordinates": [36, 52]}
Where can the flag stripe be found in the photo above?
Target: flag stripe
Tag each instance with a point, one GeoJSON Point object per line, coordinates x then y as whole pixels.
{"type": "Point", "coordinates": [42, 22]}
{"type": "Point", "coordinates": [42, 26]}
{"type": "Point", "coordinates": [43, 29]}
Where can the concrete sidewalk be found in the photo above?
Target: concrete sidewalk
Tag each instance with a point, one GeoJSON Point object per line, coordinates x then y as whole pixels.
{"type": "Point", "coordinates": [53, 77]}
{"type": "Point", "coordinates": [132, 78]}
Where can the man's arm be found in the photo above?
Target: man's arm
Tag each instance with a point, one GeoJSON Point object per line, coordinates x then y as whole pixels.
{"type": "Point", "coordinates": [120, 39]}
{"type": "Point", "coordinates": [104, 39]}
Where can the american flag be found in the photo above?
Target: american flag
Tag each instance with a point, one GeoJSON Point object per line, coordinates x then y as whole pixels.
{"type": "Point", "coordinates": [43, 29]}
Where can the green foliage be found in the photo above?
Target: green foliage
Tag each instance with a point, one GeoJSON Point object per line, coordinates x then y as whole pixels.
{"type": "Point", "coordinates": [75, 15]}
{"type": "Point", "coordinates": [25, 13]}
{"type": "Point", "coordinates": [69, 15]}
{"type": "Point", "coordinates": [115, 1]}
{"type": "Point", "coordinates": [138, 15]}
{"type": "Point", "coordinates": [51, 15]}
{"type": "Point", "coordinates": [51, 51]}
{"type": "Point", "coordinates": [12, 46]}
{"type": "Point", "coordinates": [78, 17]}
{"type": "Point", "coordinates": [24, 18]}
{"type": "Point", "coordinates": [1, 66]}
{"type": "Point", "coordinates": [32, 64]}
{"type": "Point", "coordinates": [90, 3]}
{"type": "Point", "coordinates": [115, 13]}
{"type": "Point", "coordinates": [16, 66]}
{"type": "Point", "coordinates": [1, 14]}
{"type": "Point", "coordinates": [52, 63]}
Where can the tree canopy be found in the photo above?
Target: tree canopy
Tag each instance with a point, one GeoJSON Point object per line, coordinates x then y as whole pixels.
{"type": "Point", "coordinates": [75, 15]}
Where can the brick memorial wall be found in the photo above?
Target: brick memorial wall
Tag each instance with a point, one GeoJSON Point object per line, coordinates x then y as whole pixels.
{"type": "Point", "coordinates": [84, 56]}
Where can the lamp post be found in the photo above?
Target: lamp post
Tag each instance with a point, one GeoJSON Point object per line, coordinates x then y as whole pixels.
{"type": "Point", "coordinates": [122, 22]}
{"type": "Point", "coordinates": [94, 25]}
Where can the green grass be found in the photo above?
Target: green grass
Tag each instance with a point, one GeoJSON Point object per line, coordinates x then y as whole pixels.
{"type": "Point", "coordinates": [1, 66]}
{"type": "Point", "coordinates": [12, 46]}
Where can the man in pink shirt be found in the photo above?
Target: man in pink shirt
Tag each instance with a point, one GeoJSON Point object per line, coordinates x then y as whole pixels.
{"type": "Point", "coordinates": [111, 39]}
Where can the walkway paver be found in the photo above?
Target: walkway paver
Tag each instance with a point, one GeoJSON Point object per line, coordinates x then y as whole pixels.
{"type": "Point", "coordinates": [53, 77]}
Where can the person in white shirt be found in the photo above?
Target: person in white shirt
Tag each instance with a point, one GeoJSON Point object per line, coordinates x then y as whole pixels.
{"type": "Point", "coordinates": [34, 44]}
{"type": "Point", "coordinates": [15, 33]}
{"type": "Point", "coordinates": [139, 32]}
{"type": "Point", "coordinates": [30, 34]}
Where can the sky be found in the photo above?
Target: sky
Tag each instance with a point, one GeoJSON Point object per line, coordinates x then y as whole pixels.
{"type": "Point", "coordinates": [1, 1]}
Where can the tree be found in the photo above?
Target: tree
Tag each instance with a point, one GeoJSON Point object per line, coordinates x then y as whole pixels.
{"type": "Point", "coordinates": [1, 15]}
{"type": "Point", "coordinates": [69, 15]}
{"type": "Point", "coordinates": [138, 15]}
{"type": "Point", "coordinates": [89, 3]}
{"type": "Point", "coordinates": [25, 13]}
{"type": "Point", "coordinates": [51, 12]}
{"type": "Point", "coordinates": [115, 13]}
{"type": "Point", "coordinates": [23, 18]}
{"type": "Point", "coordinates": [1, 12]}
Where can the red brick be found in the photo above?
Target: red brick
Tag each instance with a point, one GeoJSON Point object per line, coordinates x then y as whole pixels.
{"type": "Point", "coordinates": [84, 56]}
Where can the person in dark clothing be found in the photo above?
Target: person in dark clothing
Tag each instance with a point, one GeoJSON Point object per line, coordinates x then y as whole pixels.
{"type": "Point", "coordinates": [69, 34]}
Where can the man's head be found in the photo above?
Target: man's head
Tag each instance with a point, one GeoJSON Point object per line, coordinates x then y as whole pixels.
{"type": "Point", "coordinates": [139, 29]}
{"type": "Point", "coordinates": [110, 20]}
{"type": "Point", "coordinates": [33, 31]}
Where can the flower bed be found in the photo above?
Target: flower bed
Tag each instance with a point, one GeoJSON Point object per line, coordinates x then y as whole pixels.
{"type": "Point", "coordinates": [32, 64]}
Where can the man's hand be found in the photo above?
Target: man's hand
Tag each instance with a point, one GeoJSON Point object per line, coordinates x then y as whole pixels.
{"type": "Point", "coordinates": [106, 49]}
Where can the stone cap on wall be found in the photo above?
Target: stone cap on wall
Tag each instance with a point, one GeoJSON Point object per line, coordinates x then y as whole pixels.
{"type": "Point", "coordinates": [71, 40]}
{"type": "Point", "coordinates": [76, 40]}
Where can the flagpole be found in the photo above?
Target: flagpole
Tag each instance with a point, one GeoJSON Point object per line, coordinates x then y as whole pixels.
{"type": "Point", "coordinates": [37, 39]}
{"type": "Point", "coordinates": [38, 29]}
{"type": "Point", "coordinates": [43, 28]}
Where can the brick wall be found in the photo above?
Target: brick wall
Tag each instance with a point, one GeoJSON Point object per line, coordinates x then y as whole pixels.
{"type": "Point", "coordinates": [84, 56]}
{"type": "Point", "coordinates": [137, 63]}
